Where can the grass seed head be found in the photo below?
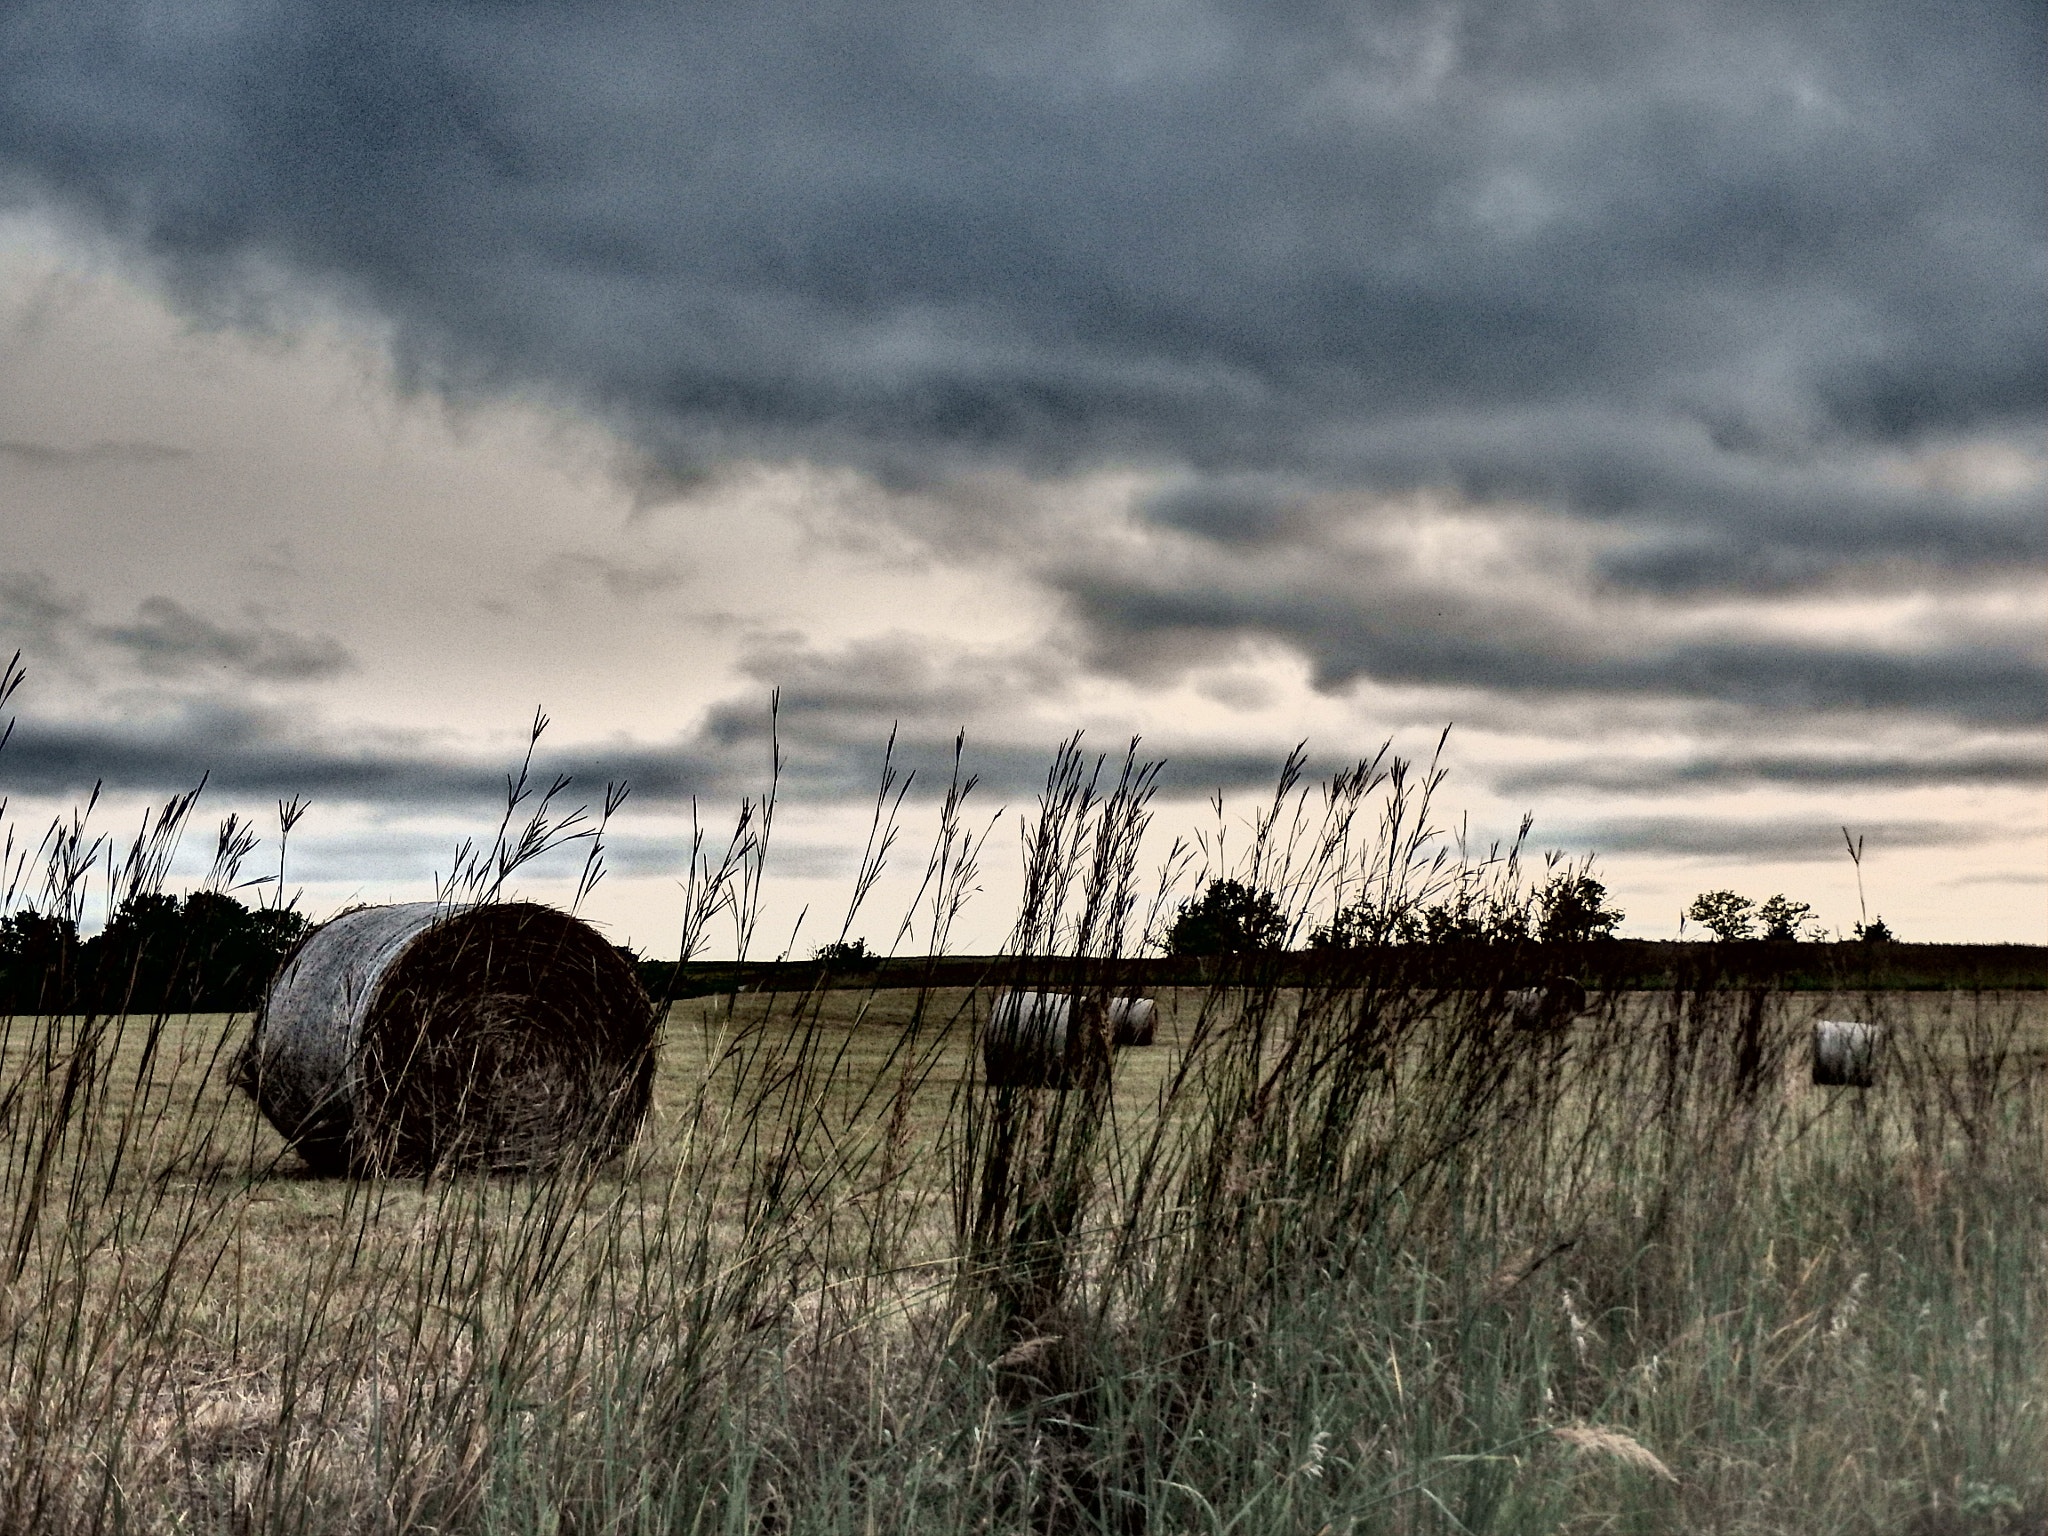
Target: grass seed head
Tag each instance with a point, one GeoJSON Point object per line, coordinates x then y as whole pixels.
{"type": "Point", "coordinates": [1617, 1443]}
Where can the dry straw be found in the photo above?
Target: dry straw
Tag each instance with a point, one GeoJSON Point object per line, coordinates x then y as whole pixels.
{"type": "Point", "coordinates": [1619, 1444]}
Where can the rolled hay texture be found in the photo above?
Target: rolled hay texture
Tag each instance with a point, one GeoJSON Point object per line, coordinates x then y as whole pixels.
{"type": "Point", "coordinates": [398, 1039]}
{"type": "Point", "coordinates": [1845, 1053]}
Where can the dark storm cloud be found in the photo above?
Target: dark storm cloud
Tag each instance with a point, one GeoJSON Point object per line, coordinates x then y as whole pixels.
{"type": "Point", "coordinates": [238, 751]}
{"type": "Point", "coordinates": [1673, 265]}
{"type": "Point", "coordinates": [1235, 509]}
{"type": "Point", "coordinates": [167, 639]}
{"type": "Point", "coordinates": [1415, 635]}
{"type": "Point", "coordinates": [1687, 516]}
{"type": "Point", "coordinates": [245, 753]}
{"type": "Point", "coordinates": [1842, 770]}
{"type": "Point", "coordinates": [258, 753]}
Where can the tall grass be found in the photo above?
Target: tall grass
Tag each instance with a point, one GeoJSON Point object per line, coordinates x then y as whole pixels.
{"type": "Point", "coordinates": [1354, 1254]}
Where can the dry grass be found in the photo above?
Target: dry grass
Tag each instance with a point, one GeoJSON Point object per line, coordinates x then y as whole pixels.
{"type": "Point", "coordinates": [1367, 1256]}
{"type": "Point", "coordinates": [200, 1332]}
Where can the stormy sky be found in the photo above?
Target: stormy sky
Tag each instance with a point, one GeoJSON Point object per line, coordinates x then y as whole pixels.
{"type": "Point", "coordinates": [1655, 391]}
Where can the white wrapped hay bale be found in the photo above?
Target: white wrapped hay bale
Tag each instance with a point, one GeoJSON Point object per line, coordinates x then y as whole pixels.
{"type": "Point", "coordinates": [402, 1038]}
{"type": "Point", "coordinates": [1846, 1052]}
{"type": "Point", "coordinates": [1031, 1039]}
{"type": "Point", "coordinates": [1027, 1039]}
{"type": "Point", "coordinates": [1555, 1002]}
{"type": "Point", "coordinates": [1133, 1021]}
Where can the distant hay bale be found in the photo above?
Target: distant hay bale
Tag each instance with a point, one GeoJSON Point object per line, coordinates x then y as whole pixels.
{"type": "Point", "coordinates": [1845, 1053]}
{"type": "Point", "coordinates": [1028, 1040]}
{"type": "Point", "coordinates": [1031, 1038]}
{"type": "Point", "coordinates": [398, 1039]}
{"type": "Point", "coordinates": [1556, 1001]}
{"type": "Point", "coordinates": [1133, 1021]}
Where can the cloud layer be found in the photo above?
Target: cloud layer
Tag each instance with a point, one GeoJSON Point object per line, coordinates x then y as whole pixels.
{"type": "Point", "coordinates": [1661, 265]}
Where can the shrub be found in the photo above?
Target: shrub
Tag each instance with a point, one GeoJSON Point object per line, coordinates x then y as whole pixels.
{"type": "Point", "coordinates": [1730, 917]}
{"type": "Point", "coordinates": [1787, 920]}
{"type": "Point", "coordinates": [1230, 918]}
{"type": "Point", "coordinates": [1572, 908]}
{"type": "Point", "coordinates": [847, 955]}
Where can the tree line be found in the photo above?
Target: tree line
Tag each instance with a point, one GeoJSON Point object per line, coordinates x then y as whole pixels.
{"type": "Point", "coordinates": [202, 953]}
{"type": "Point", "coordinates": [1232, 917]}
{"type": "Point", "coordinates": [1732, 918]}
{"type": "Point", "coordinates": [1571, 907]}
{"type": "Point", "coordinates": [207, 952]}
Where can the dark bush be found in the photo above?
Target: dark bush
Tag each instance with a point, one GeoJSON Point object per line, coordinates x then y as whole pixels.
{"type": "Point", "coordinates": [206, 953]}
{"type": "Point", "coordinates": [847, 955]}
{"type": "Point", "coordinates": [1230, 918]}
{"type": "Point", "coordinates": [1572, 909]}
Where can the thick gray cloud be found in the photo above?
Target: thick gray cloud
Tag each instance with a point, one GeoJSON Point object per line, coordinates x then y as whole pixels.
{"type": "Point", "coordinates": [167, 639]}
{"type": "Point", "coordinates": [239, 750]}
{"type": "Point", "coordinates": [832, 746]}
{"type": "Point", "coordinates": [1779, 840]}
{"type": "Point", "coordinates": [1713, 281]}
{"type": "Point", "coordinates": [263, 753]}
{"type": "Point", "coordinates": [1843, 769]}
{"type": "Point", "coordinates": [1409, 633]}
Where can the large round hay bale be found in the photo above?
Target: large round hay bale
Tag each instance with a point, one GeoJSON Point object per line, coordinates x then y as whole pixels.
{"type": "Point", "coordinates": [1133, 1021]}
{"type": "Point", "coordinates": [403, 1038]}
{"type": "Point", "coordinates": [1845, 1053]}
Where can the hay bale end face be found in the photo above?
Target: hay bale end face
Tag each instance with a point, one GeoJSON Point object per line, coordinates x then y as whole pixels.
{"type": "Point", "coordinates": [1845, 1053]}
{"type": "Point", "coordinates": [403, 1038]}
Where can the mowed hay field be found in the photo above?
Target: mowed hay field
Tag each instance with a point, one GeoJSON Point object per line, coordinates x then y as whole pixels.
{"type": "Point", "coordinates": [1315, 1261]}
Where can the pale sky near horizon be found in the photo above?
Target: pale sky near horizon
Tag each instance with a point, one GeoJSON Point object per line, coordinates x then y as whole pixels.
{"type": "Point", "coordinates": [1656, 397]}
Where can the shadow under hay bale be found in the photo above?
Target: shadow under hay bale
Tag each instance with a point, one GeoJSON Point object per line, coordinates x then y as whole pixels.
{"type": "Point", "coordinates": [398, 1039]}
{"type": "Point", "coordinates": [1845, 1053]}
